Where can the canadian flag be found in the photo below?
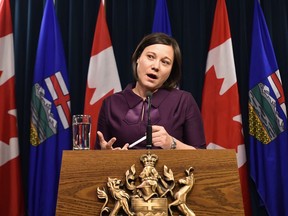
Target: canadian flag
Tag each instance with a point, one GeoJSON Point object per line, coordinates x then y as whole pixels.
{"type": "Point", "coordinates": [102, 79]}
{"type": "Point", "coordinates": [11, 197]}
{"type": "Point", "coordinates": [220, 100]}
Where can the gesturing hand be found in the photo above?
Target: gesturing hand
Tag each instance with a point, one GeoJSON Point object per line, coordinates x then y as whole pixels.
{"type": "Point", "coordinates": [109, 145]}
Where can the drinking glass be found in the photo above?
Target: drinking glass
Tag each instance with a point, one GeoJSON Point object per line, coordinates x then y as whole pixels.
{"type": "Point", "coordinates": [81, 132]}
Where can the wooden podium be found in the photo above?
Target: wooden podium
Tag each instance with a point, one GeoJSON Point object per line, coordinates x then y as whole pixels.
{"type": "Point", "coordinates": [216, 190]}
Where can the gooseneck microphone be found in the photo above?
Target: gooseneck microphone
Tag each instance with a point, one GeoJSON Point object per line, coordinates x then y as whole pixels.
{"type": "Point", "coordinates": [149, 126]}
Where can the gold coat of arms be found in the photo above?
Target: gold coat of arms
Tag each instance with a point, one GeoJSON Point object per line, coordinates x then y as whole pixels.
{"type": "Point", "coordinates": [150, 195]}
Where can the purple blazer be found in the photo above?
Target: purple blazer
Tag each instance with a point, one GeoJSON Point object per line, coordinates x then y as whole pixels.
{"type": "Point", "coordinates": [124, 115]}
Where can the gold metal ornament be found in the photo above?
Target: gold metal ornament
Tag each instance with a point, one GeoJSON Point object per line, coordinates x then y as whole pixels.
{"type": "Point", "coordinates": [149, 193]}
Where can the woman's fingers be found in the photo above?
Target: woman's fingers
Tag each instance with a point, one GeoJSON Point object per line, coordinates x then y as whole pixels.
{"type": "Point", "coordinates": [109, 145]}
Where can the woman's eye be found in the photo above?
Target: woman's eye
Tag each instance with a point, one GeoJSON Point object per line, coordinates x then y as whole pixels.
{"type": "Point", "coordinates": [150, 56]}
{"type": "Point", "coordinates": [166, 62]}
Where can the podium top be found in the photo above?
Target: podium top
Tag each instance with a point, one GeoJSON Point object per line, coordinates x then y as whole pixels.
{"type": "Point", "coordinates": [216, 190]}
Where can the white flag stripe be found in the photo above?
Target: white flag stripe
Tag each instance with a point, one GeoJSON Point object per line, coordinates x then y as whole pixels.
{"type": "Point", "coordinates": [214, 146]}
{"type": "Point", "coordinates": [62, 117]}
{"type": "Point", "coordinates": [62, 83]}
{"type": "Point", "coordinates": [221, 57]}
{"type": "Point", "coordinates": [9, 152]}
{"type": "Point", "coordinates": [274, 88]}
{"type": "Point", "coordinates": [279, 76]}
{"type": "Point", "coordinates": [69, 104]}
{"type": "Point", "coordinates": [103, 74]}
{"type": "Point", "coordinates": [283, 107]}
{"type": "Point", "coordinates": [51, 88]}
{"type": "Point", "coordinates": [276, 91]}
{"type": "Point", "coordinates": [7, 58]}
{"type": "Point", "coordinates": [241, 155]}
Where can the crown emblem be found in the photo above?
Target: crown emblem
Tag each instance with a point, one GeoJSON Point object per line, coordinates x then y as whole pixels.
{"type": "Point", "coordinates": [149, 159]}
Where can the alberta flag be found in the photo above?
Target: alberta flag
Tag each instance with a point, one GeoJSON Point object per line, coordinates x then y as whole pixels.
{"type": "Point", "coordinates": [161, 21]}
{"type": "Point", "coordinates": [267, 121]}
{"type": "Point", "coordinates": [50, 117]}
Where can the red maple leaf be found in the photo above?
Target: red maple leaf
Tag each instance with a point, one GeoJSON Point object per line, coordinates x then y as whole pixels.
{"type": "Point", "coordinates": [8, 123]}
{"type": "Point", "coordinates": [218, 113]}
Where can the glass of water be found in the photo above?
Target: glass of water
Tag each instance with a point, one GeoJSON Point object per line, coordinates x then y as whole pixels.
{"type": "Point", "coordinates": [81, 132]}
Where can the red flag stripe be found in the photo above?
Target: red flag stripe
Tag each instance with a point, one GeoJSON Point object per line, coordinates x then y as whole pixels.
{"type": "Point", "coordinates": [11, 192]}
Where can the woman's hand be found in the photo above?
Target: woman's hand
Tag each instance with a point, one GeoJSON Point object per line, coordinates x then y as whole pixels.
{"type": "Point", "coordinates": [109, 145]}
{"type": "Point", "coordinates": [160, 137]}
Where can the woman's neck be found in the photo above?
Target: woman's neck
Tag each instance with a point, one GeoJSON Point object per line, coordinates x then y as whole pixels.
{"type": "Point", "coordinates": [139, 91]}
{"type": "Point", "coordinates": [142, 92]}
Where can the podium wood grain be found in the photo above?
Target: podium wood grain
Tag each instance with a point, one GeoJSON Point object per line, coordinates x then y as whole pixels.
{"type": "Point", "coordinates": [216, 190]}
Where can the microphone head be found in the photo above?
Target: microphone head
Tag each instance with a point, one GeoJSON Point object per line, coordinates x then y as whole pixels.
{"type": "Point", "coordinates": [148, 94]}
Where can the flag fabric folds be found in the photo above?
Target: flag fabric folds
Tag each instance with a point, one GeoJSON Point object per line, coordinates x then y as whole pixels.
{"type": "Point", "coordinates": [267, 121]}
{"type": "Point", "coordinates": [220, 99]}
{"type": "Point", "coordinates": [50, 131]}
{"type": "Point", "coordinates": [102, 79]}
{"type": "Point", "coordinates": [161, 21]}
{"type": "Point", "coordinates": [11, 193]}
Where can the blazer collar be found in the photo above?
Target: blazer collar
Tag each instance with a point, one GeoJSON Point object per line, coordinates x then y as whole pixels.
{"type": "Point", "coordinates": [133, 99]}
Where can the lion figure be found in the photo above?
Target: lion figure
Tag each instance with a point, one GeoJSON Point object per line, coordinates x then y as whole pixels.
{"type": "Point", "coordinates": [120, 196]}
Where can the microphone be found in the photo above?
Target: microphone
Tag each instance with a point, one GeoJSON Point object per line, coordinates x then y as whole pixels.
{"type": "Point", "coordinates": [149, 126]}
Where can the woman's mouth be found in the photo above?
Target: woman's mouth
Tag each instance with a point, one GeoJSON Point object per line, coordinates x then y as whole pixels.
{"type": "Point", "coordinates": [152, 76]}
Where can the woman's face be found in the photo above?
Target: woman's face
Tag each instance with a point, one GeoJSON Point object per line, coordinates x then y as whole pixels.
{"type": "Point", "coordinates": [154, 66]}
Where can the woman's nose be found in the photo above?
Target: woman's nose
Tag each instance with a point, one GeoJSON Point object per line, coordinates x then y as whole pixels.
{"type": "Point", "coordinates": [155, 66]}
{"type": "Point", "coordinates": [155, 69]}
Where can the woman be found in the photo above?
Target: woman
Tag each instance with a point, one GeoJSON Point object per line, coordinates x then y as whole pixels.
{"type": "Point", "coordinates": [174, 114]}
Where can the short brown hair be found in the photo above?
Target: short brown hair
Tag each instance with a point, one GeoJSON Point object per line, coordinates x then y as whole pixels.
{"type": "Point", "coordinates": [160, 38]}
